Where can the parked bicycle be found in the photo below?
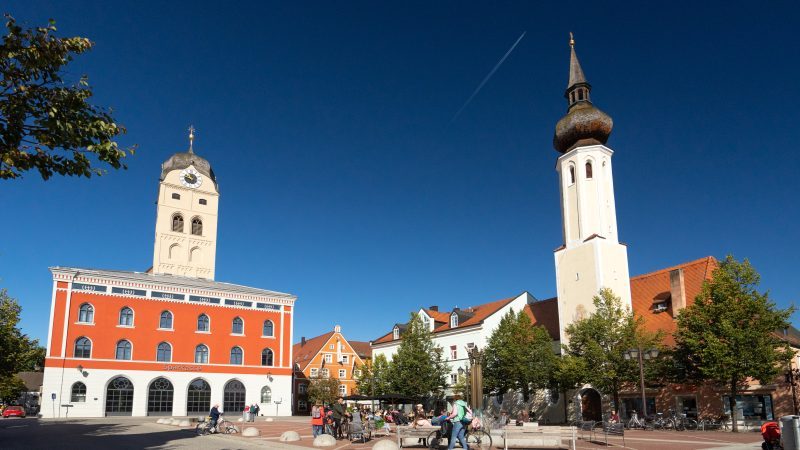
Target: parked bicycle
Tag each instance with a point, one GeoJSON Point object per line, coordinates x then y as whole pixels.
{"type": "Point", "coordinates": [223, 426]}
{"type": "Point", "coordinates": [684, 423]}
{"type": "Point", "coordinates": [476, 437]}
{"type": "Point", "coordinates": [635, 422]}
{"type": "Point", "coordinates": [663, 423]}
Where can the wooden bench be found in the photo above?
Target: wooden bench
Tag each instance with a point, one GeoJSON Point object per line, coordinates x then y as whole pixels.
{"type": "Point", "coordinates": [540, 437]}
{"type": "Point", "coordinates": [410, 432]}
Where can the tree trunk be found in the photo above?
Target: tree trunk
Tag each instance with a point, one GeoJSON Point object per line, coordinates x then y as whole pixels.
{"type": "Point", "coordinates": [615, 397]}
{"type": "Point", "coordinates": [566, 416]}
{"type": "Point", "coordinates": [732, 405]}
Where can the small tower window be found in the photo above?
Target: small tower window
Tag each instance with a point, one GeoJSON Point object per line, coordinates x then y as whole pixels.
{"type": "Point", "coordinates": [589, 170]}
{"type": "Point", "coordinates": [197, 226]}
{"type": "Point", "coordinates": [177, 223]}
{"type": "Point", "coordinates": [203, 201]}
{"type": "Point", "coordinates": [571, 174]}
{"type": "Point", "coordinates": [176, 196]}
{"type": "Point", "coordinates": [396, 333]}
{"type": "Point", "coordinates": [580, 94]}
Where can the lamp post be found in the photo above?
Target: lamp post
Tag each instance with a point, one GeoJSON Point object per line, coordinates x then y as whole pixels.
{"type": "Point", "coordinates": [635, 353]}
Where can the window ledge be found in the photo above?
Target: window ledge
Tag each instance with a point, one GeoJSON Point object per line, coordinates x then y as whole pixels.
{"type": "Point", "coordinates": [268, 337]}
{"type": "Point", "coordinates": [89, 324]}
{"type": "Point", "coordinates": [125, 326]}
{"type": "Point", "coordinates": [203, 332]}
{"type": "Point", "coordinates": [165, 329]}
{"type": "Point", "coordinates": [237, 334]}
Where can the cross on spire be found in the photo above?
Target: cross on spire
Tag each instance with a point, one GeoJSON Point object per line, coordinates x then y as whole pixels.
{"type": "Point", "coordinates": [191, 138]}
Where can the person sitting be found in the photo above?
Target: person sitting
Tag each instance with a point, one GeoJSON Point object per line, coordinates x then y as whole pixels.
{"type": "Point", "coordinates": [214, 415]}
{"type": "Point", "coordinates": [614, 418]}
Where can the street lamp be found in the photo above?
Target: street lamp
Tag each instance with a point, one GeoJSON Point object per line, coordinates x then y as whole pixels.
{"type": "Point", "coordinates": [637, 353]}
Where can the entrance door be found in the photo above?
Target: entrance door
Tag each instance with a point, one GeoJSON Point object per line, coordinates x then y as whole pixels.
{"type": "Point", "coordinates": [159, 397]}
{"type": "Point", "coordinates": [198, 399]}
{"type": "Point", "coordinates": [688, 406]}
{"type": "Point", "coordinates": [119, 397]}
{"type": "Point", "coordinates": [591, 406]}
{"type": "Point", "coordinates": [233, 397]}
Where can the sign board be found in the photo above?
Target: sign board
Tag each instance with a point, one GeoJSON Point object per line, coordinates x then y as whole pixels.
{"type": "Point", "coordinates": [53, 395]}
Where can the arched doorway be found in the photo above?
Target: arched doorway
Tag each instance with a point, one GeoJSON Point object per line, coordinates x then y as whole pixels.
{"type": "Point", "coordinates": [198, 399]}
{"type": "Point", "coordinates": [591, 405]}
{"type": "Point", "coordinates": [159, 397]}
{"type": "Point", "coordinates": [233, 397]}
{"type": "Point", "coordinates": [119, 397]}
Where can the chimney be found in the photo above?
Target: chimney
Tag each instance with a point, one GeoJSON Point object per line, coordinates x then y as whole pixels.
{"type": "Point", "coordinates": [302, 341]}
{"type": "Point", "coordinates": [677, 290]}
{"type": "Point", "coordinates": [434, 308]}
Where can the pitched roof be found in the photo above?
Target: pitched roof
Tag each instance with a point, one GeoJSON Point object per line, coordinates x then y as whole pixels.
{"type": "Point", "coordinates": [474, 315]}
{"type": "Point", "coordinates": [32, 380]}
{"type": "Point", "coordinates": [545, 313]}
{"type": "Point", "coordinates": [304, 353]}
{"type": "Point", "coordinates": [362, 349]}
{"type": "Point", "coordinates": [650, 287]}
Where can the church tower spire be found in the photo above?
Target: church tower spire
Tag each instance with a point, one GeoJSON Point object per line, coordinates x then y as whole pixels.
{"type": "Point", "coordinates": [591, 256]}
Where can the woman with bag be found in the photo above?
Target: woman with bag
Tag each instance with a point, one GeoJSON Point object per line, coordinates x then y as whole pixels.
{"type": "Point", "coordinates": [317, 416]}
{"type": "Point", "coordinates": [458, 416]}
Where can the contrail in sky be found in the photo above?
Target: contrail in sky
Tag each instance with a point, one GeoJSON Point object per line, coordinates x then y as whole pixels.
{"type": "Point", "coordinates": [480, 86]}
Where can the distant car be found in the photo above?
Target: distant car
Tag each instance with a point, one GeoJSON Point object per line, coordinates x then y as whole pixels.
{"type": "Point", "coordinates": [14, 411]}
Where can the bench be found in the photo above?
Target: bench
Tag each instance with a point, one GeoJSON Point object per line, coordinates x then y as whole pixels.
{"type": "Point", "coordinates": [410, 432]}
{"type": "Point", "coordinates": [539, 437]}
{"type": "Point", "coordinates": [614, 429]}
{"type": "Point", "coordinates": [586, 426]}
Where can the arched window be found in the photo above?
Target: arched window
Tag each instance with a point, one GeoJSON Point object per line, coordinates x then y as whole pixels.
{"type": "Point", "coordinates": [233, 396]}
{"type": "Point", "coordinates": [78, 393]}
{"type": "Point", "coordinates": [177, 223]}
{"type": "Point", "coordinates": [83, 348]}
{"type": "Point", "coordinates": [571, 174]}
{"type": "Point", "coordinates": [86, 313]}
{"type": "Point", "coordinates": [174, 251]}
{"type": "Point", "coordinates": [166, 320]}
{"type": "Point", "coordinates": [201, 354]}
{"type": "Point", "coordinates": [164, 352]}
{"type": "Point", "coordinates": [124, 350]}
{"type": "Point", "coordinates": [588, 169]}
{"type": "Point", "coordinates": [266, 394]}
{"type": "Point", "coordinates": [266, 357]}
{"type": "Point", "coordinates": [396, 333]}
{"type": "Point", "coordinates": [269, 328]}
{"type": "Point", "coordinates": [236, 355]}
{"type": "Point", "coordinates": [198, 399]}
{"type": "Point", "coordinates": [159, 397]}
{"type": "Point", "coordinates": [202, 323]}
{"type": "Point", "coordinates": [238, 326]}
{"type": "Point", "coordinates": [126, 317]}
{"type": "Point", "coordinates": [453, 320]}
{"type": "Point", "coordinates": [194, 254]}
{"type": "Point", "coordinates": [197, 226]}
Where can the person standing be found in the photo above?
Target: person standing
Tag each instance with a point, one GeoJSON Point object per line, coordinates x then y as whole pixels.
{"type": "Point", "coordinates": [338, 414]}
{"type": "Point", "coordinates": [459, 429]}
{"type": "Point", "coordinates": [317, 419]}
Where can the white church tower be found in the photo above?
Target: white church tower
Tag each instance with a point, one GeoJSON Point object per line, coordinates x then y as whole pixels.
{"type": "Point", "coordinates": [591, 256]}
{"type": "Point", "coordinates": [186, 216]}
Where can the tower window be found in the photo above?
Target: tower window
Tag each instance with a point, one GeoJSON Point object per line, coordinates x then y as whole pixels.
{"type": "Point", "coordinates": [580, 94]}
{"type": "Point", "coordinates": [124, 350]}
{"type": "Point", "coordinates": [176, 196]}
{"type": "Point", "coordinates": [126, 317]}
{"type": "Point", "coordinates": [203, 201]}
{"type": "Point", "coordinates": [177, 223]}
{"type": "Point", "coordinates": [571, 174]}
{"type": "Point", "coordinates": [589, 170]}
{"type": "Point", "coordinates": [197, 226]}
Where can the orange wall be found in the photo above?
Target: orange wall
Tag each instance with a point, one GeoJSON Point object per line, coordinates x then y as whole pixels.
{"type": "Point", "coordinates": [333, 367]}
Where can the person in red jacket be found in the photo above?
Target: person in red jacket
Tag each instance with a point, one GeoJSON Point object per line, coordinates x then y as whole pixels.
{"type": "Point", "coordinates": [317, 418]}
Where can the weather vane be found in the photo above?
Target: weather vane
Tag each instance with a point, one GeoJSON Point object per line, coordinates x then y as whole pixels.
{"type": "Point", "coordinates": [191, 138]}
{"type": "Point", "coordinates": [571, 40]}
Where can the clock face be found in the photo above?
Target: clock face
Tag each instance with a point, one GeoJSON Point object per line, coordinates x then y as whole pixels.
{"type": "Point", "coordinates": [191, 178]}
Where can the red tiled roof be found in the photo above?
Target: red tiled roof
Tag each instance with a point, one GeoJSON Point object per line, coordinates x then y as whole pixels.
{"type": "Point", "coordinates": [304, 353]}
{"type": "Point", "coordinates": [655, 285]}
{"type": "Point", "coordinates": [362, 349]}
{"type": "Point", "coordinates": [545, 313]}
{"type": "Point", "coordinates": [478, 314]}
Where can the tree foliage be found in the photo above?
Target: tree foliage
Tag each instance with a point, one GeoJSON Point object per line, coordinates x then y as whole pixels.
{"type": "Point", "coordinates": [570, 372]}
{"type": "Point", "coordinates": [601, 340]}
{"type": "Point", "coordinates": [730, 333]}
{"type": "Point", "coordinates": [518, 356]}
{"type": "Point", "coordinates": [47, 123]}
{"type": "Point", "coordinates": [374, 377]}
{"type": "Point", "coordinates": [18, 352]}
{"type": "Point", "coordinates": [417, 369]}
{"type": "Point", "coordinates": [323, 390]}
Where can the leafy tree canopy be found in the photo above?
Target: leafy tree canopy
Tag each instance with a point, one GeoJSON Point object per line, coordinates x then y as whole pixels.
{"type": "Point", "coordinates": [323, 390]}
{"type": "Point", "coordinates": [602, 339]}
{"type": "Point", "coordinates": [374, 377]}
{"type": "Point", "coordinates": [731, 332]}
{"type": "Point", "coordinates": [47, 123]}
{"type": "Point", "coordinates": [417, 369]}
{"type": "Point", "coordinates": [518, 356]}
{"type": "Point", "coordinates": [18, 352]}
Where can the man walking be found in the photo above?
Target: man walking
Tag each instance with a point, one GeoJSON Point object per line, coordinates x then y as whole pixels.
{"type": "Point", "coordinates": [338, 414]}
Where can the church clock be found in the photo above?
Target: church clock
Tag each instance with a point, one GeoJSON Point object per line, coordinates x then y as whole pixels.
{"type": "Point", "coordinates": [191, 178]}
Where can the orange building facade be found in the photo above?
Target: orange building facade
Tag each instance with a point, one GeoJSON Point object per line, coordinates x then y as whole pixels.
{"type": "Point", "coordinates": [329, 355]}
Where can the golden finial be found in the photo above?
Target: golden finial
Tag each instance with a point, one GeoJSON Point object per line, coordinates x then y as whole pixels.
{"type": "Point", "coordinates": [191, 138]}
{"type": "Point", "coordinates": [571, 40]}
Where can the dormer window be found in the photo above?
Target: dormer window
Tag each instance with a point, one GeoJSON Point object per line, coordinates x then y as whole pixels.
{"type": "Point", "coordinates": [396, 333]}
{"type": "Point", "coordinates": [426, 322]}
{"type": "Point", "coordinates": [453, 320]}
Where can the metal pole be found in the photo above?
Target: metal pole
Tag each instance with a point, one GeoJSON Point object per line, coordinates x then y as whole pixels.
{"type": "Point", "coordinates": [641, 378]}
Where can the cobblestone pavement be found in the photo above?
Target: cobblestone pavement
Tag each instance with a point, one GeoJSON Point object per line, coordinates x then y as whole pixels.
{"type": "Point", "coordinates": [143, 433]}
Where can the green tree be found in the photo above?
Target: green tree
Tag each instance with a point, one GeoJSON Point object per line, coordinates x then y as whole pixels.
{"type": "Point", "coordinates": [570, 373]}
{"type": "Point", "coordinates": [602, 339]}
{"type": "Point", "coordinates": [18, 352]}
{"type": "Point", "coordinates": [374, 377]}
{"type": "Point", "coordinates": [518, 356]}
{"type": "Point", "coordinates": [46, 122]}
{"type": "Point", "coordinates": [323, 390]}
{"type": "Point", "coordinates": [417, 369]}
{"type": "Point", "coordinates": [730, 333]}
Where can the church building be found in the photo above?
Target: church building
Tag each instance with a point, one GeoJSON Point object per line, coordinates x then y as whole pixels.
{"type": "Point", "coordinates": [172, 340]}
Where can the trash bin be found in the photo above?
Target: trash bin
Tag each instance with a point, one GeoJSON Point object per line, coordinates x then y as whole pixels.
{"type": "Point", "coordinates": [790, 432]}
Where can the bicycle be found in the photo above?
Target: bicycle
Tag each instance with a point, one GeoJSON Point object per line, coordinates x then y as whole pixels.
{"type": "Point", "coordinates": [223, 426]}
{"type": "Point", "coordinates": [660, 422]}
{"type": "Point", "coordinates": [634, 422]}
{"type": "Point", "coordinates": [684, 423]}
{"type": "Point", "coordinates": [476, 437]}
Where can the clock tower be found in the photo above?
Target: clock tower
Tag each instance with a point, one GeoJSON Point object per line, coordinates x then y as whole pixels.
{"type": "Point", "coordinates": [186, 216]}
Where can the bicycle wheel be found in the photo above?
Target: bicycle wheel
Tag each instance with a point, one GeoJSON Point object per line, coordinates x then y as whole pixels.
{"type": "Point", "coordinates": [691, 425]}
{"type": "Point", "coordinates": [434, 440]}
{"type": "Point", "coordinates": [229, 428]}
{"type": "Point", "coordinates": [669, 424]}
{"type": "Point", "coordinates": [479, 439]}
{"type": "Point", "coordinates": [201, 429]}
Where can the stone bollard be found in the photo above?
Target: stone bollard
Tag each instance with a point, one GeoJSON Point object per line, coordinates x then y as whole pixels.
{"type": "Point", "coordinates": [251, 432]}
{"type": "Point", "coordinates": [385, 444]}
{"type": "Point", "coordinates": [185, 423]}
{"type": "Point", "coordinates": [324, 440]}
{"type": "Point", "coordinates": [290, 436]}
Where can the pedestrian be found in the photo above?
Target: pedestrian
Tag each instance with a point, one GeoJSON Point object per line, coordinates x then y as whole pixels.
{"type": "Point", "coordinates": [338, 414]}
{"type": "Point", "coordinates": [317, 418]}
{"type": "Point", "coordinates": [254, 412]}
{"type": "Point", "coordinates": [457, 417]}
{"type": "Point", "coordinates": [246, 414]}
{"type": "Point", "coordinates": [214, 417]}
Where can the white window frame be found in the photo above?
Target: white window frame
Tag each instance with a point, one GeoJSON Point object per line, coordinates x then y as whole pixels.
{"type": "Point", "coordinates": [342, 389]}
{"type": "Point", "coordinates": [345, 359]}
{"type": "Point", "coordinates": [396, 333]}
{"type": "Point", "coordinates": [342, 373]}
{"type": "Point", "coordinates": [453, 378]}
{"type": "Point", "coordinates": [325, 373]}
{"type": "Point", "coordinates": [314, 372]}
{"type": "Point", "coordinates": [328, 357]}
{"type": "Point", "coordinates": [453, 320]}
{"type": "Point", "coordinates": [453, 352]}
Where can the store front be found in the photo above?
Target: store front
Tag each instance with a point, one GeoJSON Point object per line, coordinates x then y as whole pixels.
{"type": "Point", "coordinates": [631, 404]}
{"type": "Point", "coordinates": [750, 407]}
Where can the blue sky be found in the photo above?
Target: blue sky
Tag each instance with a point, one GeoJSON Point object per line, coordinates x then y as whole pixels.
{"type": "Point", "coordinates": [342, 182]}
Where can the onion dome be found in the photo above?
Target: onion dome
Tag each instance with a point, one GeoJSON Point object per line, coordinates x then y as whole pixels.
{"type": "Point", "coordinates": [182, 160]}
{"type": "Point", "coordinates": [583, 124]}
